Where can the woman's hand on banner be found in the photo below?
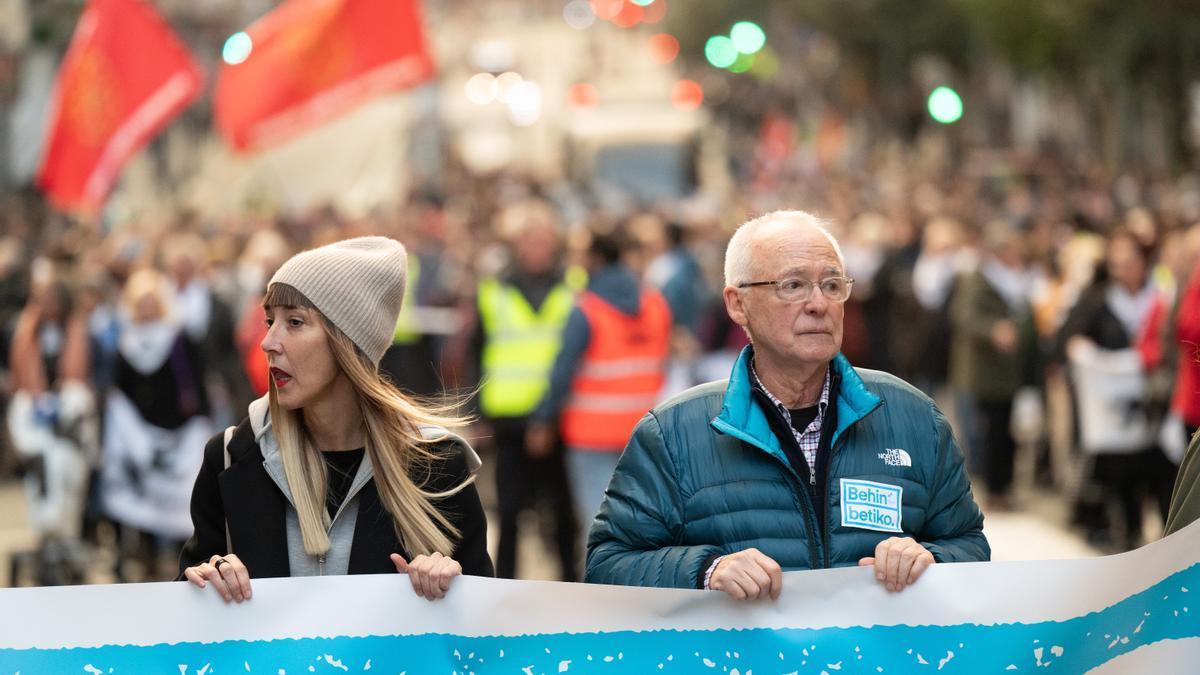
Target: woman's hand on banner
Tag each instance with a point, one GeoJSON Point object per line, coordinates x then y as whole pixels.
{"type": "Point", "coordinates": [430, 574]}
{"type": "Point", "coordinates": [226, 573]}
{"type": "Point", "coordinates": [898, 562]}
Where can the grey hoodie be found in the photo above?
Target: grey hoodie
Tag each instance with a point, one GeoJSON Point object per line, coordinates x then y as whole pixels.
{"type": "Point", "coordinates": [341, 531]}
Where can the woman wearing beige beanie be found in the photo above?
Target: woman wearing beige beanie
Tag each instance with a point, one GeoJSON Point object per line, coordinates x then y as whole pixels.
{"type": "Point", "coordinates": [335, 471]}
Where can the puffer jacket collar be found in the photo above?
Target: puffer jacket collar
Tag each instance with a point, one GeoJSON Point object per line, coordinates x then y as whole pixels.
{"type": "Point", "coordinates": [743, 418]}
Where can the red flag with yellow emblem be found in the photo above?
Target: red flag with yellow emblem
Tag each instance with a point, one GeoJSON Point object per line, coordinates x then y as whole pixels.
{"type": "Point", "coordinates": [125, 75]}
{"type": "Point", "coordinates": [308, 61]}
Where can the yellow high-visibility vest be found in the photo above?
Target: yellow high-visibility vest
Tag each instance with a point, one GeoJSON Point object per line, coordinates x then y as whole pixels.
{"type": "Point", "coordinates": [520, 345]}
{"type": "Point", "coordinates": [407, 332]}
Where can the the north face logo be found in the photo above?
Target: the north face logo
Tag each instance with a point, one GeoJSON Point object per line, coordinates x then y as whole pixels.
{"type": "Point", "coordinates": [896, 457]}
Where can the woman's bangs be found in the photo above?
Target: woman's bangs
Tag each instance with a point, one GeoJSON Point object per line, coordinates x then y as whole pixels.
{"type": "Point", "coordinates": [283, 295]}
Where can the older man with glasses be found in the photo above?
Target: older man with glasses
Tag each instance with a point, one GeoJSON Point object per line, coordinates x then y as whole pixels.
{"type": "Point", "coordinates": [798, 461]}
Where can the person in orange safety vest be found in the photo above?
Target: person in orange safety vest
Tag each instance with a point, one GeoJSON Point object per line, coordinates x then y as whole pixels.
{"type": "Point", "coordinates": [608, 373]}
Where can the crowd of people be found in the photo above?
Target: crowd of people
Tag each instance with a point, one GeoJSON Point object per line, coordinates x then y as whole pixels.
{"type": "Point", "coordinates": [990, 283]}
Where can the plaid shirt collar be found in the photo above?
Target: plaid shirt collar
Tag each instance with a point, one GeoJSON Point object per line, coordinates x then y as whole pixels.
{"type": "Point", "coordinates": [822, 403]}
{"type": "Point", "coordinates": [808, 440]}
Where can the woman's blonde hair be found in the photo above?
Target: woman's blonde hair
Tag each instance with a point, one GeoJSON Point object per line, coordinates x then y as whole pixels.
{"type": "Point", "coordinates": [401, 456]}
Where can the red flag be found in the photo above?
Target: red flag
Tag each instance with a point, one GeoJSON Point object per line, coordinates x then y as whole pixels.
{"type": "Point", "coordinates": [123, 78]}
{"type": "Point", "coordinates": [311, 60]}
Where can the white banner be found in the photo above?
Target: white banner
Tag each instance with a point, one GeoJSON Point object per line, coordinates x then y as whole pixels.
{"type": "Point", "coordinates": [1129, 613]}
{"type": "Point", "coordinates": [1110, 388]}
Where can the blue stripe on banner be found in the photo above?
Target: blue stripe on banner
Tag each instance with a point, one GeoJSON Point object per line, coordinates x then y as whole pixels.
{"type": "Point", "coordinates": [1161, 612]}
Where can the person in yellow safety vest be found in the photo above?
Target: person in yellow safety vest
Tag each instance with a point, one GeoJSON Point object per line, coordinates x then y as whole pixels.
{"type": "Point", "coordinates": [521, 314]}
{"type": "Point", "coordinates": [410, 362]}
{"type": "Point", "coordinates": [407, 332]}
{"type": "Point", "coordinates": [608, 373]}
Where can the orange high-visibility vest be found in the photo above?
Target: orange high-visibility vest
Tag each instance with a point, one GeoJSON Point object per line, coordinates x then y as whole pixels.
{"type": "Point", "coordinates": [621, 373]}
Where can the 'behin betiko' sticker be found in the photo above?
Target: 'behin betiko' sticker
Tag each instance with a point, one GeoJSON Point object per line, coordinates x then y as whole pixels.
{"type": "Point", "coordinates": [871, 506]}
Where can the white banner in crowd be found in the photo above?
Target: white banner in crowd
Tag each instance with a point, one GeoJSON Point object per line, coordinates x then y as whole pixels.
{"type": "Point", "coordinates": [1130, 613]}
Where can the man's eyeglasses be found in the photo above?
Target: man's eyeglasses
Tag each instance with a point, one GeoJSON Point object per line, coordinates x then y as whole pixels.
{"type": "Point", "coordinates": [795, 289]}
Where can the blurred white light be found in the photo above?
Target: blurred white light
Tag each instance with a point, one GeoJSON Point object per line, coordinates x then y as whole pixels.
{"type": "Point", "coordinates": [485, 149]}
{"type": "Point", "coordinates": [579, 14]}
{"type": "Point", "coordinates": [504, 84]}
{"type": "Point", "coordinates": [237, 48]}
{"type": "Point", "coordinates": [524, 103]}
{"type": "Point", "coordinates": [491, 55]}
{"type": "Point", "coordinates": [481, 88]}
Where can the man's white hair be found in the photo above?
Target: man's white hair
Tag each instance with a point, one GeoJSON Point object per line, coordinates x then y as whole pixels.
{"type": "Point", "coordinates": [741, 245]}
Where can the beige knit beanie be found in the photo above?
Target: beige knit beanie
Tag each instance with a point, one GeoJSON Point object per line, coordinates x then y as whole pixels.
{"type": "Point", "coordinates": [358, 284]}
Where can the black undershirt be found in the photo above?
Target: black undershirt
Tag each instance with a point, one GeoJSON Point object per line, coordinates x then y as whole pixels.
{"type": "Point", "coordinates": [802, 417]}
{"type": "Point", "coordinates": [341, 467]}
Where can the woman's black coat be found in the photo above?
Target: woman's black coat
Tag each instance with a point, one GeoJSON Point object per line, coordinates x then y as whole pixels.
{"type": "Point", "coordinates": [246, 497]}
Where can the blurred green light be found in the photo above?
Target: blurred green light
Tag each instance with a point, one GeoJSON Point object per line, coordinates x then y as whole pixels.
{"type": "Point", "coordinates": [237, 48]}
{"type": "Point", "coordinates": [747, 37]}
{"type": "Point", "coordinates": [720, 52]}
{"type": "Point", "coordinates": [643, 3]}
{"type": "Point", "coordinates": [743, 63]}
{"type": "Point", "coordinates": [945, 105]}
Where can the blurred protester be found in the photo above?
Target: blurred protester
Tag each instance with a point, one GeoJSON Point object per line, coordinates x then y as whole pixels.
{"type": "Point", "coordinates": [520, 314]}
{"type": "Point", "coordinates": [156, 420]}
{"type": "Point", "coordinates": [413, 361]}
{"type": "Point", "coordinates": [676, 273]}
{"type": "Point", "coordinates": [706, 492]}
{"type": "Point", "coordinates": [1059, 276]}
{"type": "Point", "coordinates": [991, 350]}
{"type": "Point", "coordinates": [207, 323]}
{"type": "Point", "coordinates": [14, 290]}
{"type": "Point", "coordinates": [335, 471]}
{"type": "Point", "coordinates": [265, 252]}
{"type": "Point", "coordinates": [896, 341]}
{"type": "Point", "coordinates": [52, 422]}
{"type": "Point", "coordinates": [1185, 402]}
{"type": "Point", "coordinates": [864, 247]}
{"type": "Point", "coordinates": [1169, 358]}
{"type": "Point", "coordinates": [608, 373]}
{"type": "Point", "coordinates": [1110, 390]}
{"type": "Point", "coordinates": [935, 276]}
{"type": "Point", "coordinates": [98, 302]}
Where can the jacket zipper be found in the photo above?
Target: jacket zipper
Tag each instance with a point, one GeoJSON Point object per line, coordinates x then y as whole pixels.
{"type": "Point", "coordinates": [828, 533]}
{"type": "Point", "coordinates": [814, 527]}
{"type": "Point", "coordinates": [809, 516]}
{"type": "Point", "coordinates": [321, 559]}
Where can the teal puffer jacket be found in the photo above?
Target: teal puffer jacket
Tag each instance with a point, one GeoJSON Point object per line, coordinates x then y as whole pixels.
{"type": "Point", "coordinates": [703, 475]}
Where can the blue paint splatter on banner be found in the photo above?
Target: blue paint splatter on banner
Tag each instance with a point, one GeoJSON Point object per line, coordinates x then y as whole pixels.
{"type": "Point", "coordinates": [1162, 612]}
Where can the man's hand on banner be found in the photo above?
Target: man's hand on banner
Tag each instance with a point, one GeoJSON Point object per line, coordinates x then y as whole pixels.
{"type": "Point", "coordinates": [898, 562]}
{"type": "Point", "coordinates": [227, 574]}
{"type": "Point", "coordinates": [430, 574]}
{"type": "Point", "coordinates": [748, 575]}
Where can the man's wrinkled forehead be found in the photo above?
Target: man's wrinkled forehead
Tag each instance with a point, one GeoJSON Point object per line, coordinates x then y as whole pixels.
{"type": "Point", "coordinates": [794, 245]}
